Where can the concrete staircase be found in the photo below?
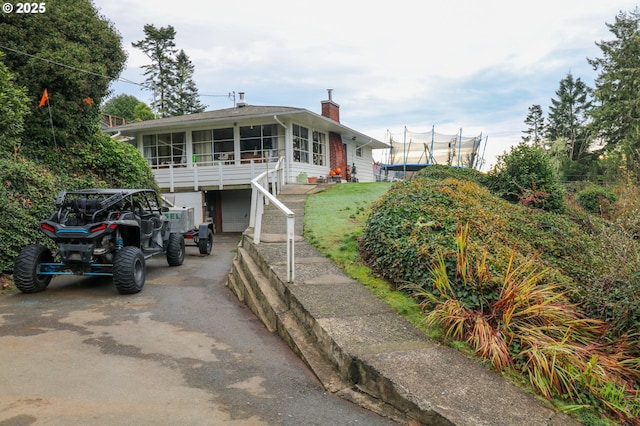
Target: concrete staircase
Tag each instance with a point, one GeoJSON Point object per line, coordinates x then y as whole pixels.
{"type": "Point", "coordinates": [256, 279]}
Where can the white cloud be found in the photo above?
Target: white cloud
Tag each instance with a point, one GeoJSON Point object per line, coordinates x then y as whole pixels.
{"type": "Point", "coordinates": [473, 64]}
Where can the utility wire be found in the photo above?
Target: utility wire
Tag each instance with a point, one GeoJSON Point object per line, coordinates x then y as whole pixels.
{"type": "Point", "coordinates": [123, 80]}
{"type": "Point", "coordinates": [231, 95]}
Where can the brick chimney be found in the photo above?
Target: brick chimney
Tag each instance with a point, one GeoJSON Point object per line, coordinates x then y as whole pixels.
{"type": "Point", "coordinates": [337, 154]}
{"type": "Point", "coordinates": [331, 109]}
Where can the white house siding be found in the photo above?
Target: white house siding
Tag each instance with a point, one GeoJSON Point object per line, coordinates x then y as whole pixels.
{"type": "Point", "coordinates": [364, 165]}
{"type": "Point", "coordinates": [295, 169]}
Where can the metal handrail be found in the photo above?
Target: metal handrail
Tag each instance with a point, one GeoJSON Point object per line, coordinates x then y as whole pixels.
{"type": "Point", "coordinates": [265, 188]}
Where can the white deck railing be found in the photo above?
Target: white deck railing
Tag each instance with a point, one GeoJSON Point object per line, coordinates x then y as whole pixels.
{"type": "Point", "coordinates": [265, 188]}
{"type": "Point", "coordinates": [216, 173]}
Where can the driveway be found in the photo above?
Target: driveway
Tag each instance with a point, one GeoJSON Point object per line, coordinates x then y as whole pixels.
{"type": "Point", "coordinates": [184, 351]}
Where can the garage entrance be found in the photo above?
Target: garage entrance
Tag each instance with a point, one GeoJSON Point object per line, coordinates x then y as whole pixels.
{"type": "Point", "coordinates": [229, 209]}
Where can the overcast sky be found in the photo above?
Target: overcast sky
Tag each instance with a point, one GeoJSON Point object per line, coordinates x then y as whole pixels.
{"type": "Point", "coordinates": [475, 65]}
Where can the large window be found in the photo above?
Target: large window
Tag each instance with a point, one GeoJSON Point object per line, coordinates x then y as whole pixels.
{"type": "Point", "coordinates": [312, 151]}
{"type": "Point", "coordinates": [300, 144]}
{"type": "Point", "coordinates": [319, 156]}
{"type": "Point", "coordinates": [164, 149]}
{"type": "Point", "coordinates": [258, 142]}
{"type": "Point", "coordinates": [213, 145]}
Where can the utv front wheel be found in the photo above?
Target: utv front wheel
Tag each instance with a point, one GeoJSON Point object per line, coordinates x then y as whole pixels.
{"type": "Point", "coordinates": [26, 270]}
{"type": "Point", "coordinates": [129, 271]}
{"type": "Point", "coordinates": [175, 249]}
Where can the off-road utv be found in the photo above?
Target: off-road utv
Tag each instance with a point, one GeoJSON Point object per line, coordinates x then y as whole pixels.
{"type": "Point", "coordinates": [101, 232]}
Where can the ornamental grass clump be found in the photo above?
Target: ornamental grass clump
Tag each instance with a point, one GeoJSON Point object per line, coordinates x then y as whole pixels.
{"type": "Point", "coordinates": [517, 320]}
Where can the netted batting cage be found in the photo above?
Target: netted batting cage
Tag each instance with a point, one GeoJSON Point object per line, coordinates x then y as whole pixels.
{"type": "Point", "coordinates": [411, 151]}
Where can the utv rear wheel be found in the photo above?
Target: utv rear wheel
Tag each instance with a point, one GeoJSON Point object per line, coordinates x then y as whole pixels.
{"type": "Point", "coordinates": [175, 249]}
{"type": "Point", "coordinates": [129, 271]}
{"type": "Point", "coordinates": [206, 244]}
{"type": "Point", "coordinates": [26, 269]}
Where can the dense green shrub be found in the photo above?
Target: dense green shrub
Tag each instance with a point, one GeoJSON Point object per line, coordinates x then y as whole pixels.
{"type": "Point", "coordinates": [416, 218]}
{"type": "Point", "coordinates": [596, 199]}
{"type": "Point", "coordinates": [116, 163]}
{"type": "Point", "coordinates": [526, 175]}
{"type": "Point", "coordinates": [13, 109]}
{"type": "Point", "coordinates": [99, 162]}
{"type": "Point", "coordinates": [589, 257]}
{"type": "Point", "coordinates": [27, 195]}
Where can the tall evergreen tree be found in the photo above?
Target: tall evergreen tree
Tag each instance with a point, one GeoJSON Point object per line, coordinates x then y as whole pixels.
{"type": "Point", "coordinates": [160, 47]}
{"type": "Point", "coordinates": [616, 114]}
{"type": "Point", "coordinates": [535, 121]}
{"type": "Point", "coordinates": [568, 116]}
{"type": "Point", "coordinates": [184, 97]}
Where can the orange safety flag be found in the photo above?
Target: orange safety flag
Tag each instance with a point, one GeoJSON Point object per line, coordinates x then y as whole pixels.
{"type": "Point", "coordinates": [45, 98]}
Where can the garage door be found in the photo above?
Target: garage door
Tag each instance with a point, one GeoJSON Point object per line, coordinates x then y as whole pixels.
{"type": "Point", "coordinates": [235, 206]}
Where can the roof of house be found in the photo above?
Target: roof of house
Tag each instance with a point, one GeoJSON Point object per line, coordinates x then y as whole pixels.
{"type": "Point", "coordinates": [248, 111]}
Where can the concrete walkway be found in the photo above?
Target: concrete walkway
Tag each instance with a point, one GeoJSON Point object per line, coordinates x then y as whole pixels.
{"type": "Point", "coordinates": [360, 348]}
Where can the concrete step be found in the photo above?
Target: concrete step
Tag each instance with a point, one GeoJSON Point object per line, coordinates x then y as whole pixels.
{"type": "Point", "coordinates": [252, 287]}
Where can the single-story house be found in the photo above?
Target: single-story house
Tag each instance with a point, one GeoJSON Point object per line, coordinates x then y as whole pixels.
{"type": "Point", "coordinates": [209, 159]}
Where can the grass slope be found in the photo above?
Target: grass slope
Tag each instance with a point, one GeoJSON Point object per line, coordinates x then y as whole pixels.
{"type": "Point", "coordinates": [333, 223]}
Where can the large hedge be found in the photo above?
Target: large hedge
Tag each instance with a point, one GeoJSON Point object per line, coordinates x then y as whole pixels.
{"type": "Point", "coordinates": [417, 219]}
{"type": "Point", "coordinates": [26, 192]}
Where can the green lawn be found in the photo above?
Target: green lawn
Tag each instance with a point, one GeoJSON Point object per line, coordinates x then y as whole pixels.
{"type": "Point", "coordinates": [333, 222]}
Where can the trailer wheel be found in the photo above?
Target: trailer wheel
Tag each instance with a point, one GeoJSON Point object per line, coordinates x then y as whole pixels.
{"type": "Point", "coordinates": [206, 244]}
{"type": "Point", "coordinates": [26, 268]}
{"type": "Point", "coordinates": [175, 249]}
{"type": "Point", "coordinates": [129, 271]}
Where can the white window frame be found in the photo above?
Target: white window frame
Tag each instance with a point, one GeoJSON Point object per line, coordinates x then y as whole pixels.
{"type": "Point", "coordinates": [301, 148]}
{"type": "Point", "coordinates": [164, 149]}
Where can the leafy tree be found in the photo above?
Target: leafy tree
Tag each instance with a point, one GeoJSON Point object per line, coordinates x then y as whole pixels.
{"type": "Point", "coordinates": [142, 112]}
{"type": "Point", "coordinates": [71, 51]}
{"type": "Point", "coordinates": [568, 116]}
{"type": "Point", "coordinates": [160, 47]}
{"type": "Point", "coordinates": [535, 121]}
{"type": "Point", "coordinates": [126, 106]}
{"type": "Point", "coordinates": [185, 98]}
{"type": "Point", "coordinates": [121, 106]}
{"type": "Point", "coordinates": [616, 114]}
{"type": "Point", "coordinates": [13, 108]}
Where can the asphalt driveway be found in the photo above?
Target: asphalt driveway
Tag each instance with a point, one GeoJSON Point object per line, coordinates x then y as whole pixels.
{"type": "Point", "coordinates": [184, 351]}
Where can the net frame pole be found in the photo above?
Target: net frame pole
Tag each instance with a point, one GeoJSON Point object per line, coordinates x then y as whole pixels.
{"type": "Point", "coordinates": [433, 137]}
{"type": "Point", "coordinates": [459, 145]}
{"type": "Point", "coordinates": [477, 152]}
{"type": "Point", "coordinates": [404, 161]}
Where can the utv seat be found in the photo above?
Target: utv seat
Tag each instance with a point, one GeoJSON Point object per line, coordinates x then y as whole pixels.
{"type": "Point", "coordinates": [85, 208]}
